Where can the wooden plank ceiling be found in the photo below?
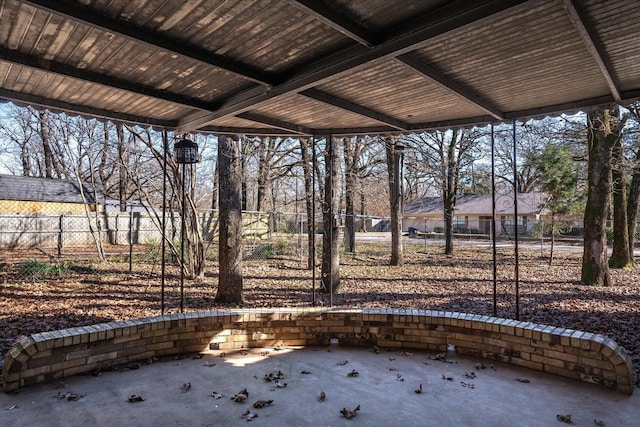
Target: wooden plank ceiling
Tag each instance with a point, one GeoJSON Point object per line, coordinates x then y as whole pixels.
{"type": "Point", "coordinates": [302, 67]}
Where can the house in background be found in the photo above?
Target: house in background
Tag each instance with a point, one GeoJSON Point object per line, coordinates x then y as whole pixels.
{"type": "Point", "coordinates": [473, 213]}
{"type": "Point", "coordinates": [23, 194]}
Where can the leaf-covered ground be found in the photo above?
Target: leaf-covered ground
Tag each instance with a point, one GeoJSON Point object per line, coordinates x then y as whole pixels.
{"type": "Point", "coordinates": [428, 280]}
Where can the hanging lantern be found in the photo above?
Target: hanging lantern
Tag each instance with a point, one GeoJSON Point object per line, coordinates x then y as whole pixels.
{"type": "Point", "coordinates": [398, 147]}
{"type": "Point", "coordinates": [185, 151]}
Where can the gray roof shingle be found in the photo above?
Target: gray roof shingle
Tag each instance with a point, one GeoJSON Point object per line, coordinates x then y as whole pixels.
{"type": "Point", "coordinates": [13, 187]}
{"type": "Point", "coordinates": [473, 204]}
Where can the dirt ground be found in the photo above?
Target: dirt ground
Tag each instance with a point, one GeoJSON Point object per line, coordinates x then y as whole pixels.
{"type": "Point", "coordinates": [549, 295]}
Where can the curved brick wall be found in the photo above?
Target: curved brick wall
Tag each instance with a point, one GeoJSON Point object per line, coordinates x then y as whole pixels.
{"type": "Point", "coordinates": [580, 355]}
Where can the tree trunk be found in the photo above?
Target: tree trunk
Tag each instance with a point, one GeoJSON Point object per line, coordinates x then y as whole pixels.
{"type": "Point", "coordinates": [46, 144]}
{"type": "Point", "coordinates": [600, 139]}
{"type": "Point", "coordinates": [393, 167]}
{"type": "Point", "coordinates": [350, 163]}
{"type": "Point", "coordinates": [620, 255]}
{"type": "Point", "coordinates": [263, 175]}
{"type": "Point", "coordinates": [122, 168]}
{"type": "Point", "coordinates": [230, 241]}
{"type": "Point", "coordinates": [449, 193]}
{"type": "Point", "coordinates": [309, 195]}
{"type": "Point", "coordinates": [632, 204]}
{"type": "Point", "coordinates": [330, 275]}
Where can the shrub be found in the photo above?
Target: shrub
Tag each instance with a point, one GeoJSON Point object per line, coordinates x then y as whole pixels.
{"type": "Point", "coordinates": [40, 268]}
{"type": "Point", "coordinates": [265, 251]}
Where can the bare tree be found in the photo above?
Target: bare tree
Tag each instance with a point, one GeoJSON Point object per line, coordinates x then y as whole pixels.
{"type": "Point", "coordinates": [307, 152]}
{"type": "Point", "coordinates": [362, 156]}
{"type": "Point", "coordinates": [394, 165]}
{"type": "Point", "coordinates": [444, 155]}
{"type": "Point", "coordinates": [605, 129]}
{"type": "Point", "coordinates": [330, 275]}
{"type": "Point", "coordinates": [230, 280]}
{"type": "Point", "coordinates": [633, 135]}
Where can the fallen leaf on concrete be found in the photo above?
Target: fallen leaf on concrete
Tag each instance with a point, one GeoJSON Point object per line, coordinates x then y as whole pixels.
{"type": "Point", "coordinates": [350, 414]}
{"type": "Point", "coordinates": [280, 384]}
{"type": "Point", "coordinates": [262, 403]}
{"type": "Point", "coordinates": [598, 422]}
{"type": "Point", "coordinates": [419, 389]}
{"type": "Point", "coordinates": [273, 377]}
{"type": "Point", "coordinates": [11, 408]}
{"type": "Point", "coordinates": [216, 395]}
{"type": "Point", "coordinates": [135, 398]}
{"type": "Point", "coordinates": [446, 377]}
{"type": "Point", "coordinates": [399, 378]}
{"type": "Point", "coordinates": [564, 418]}
{"type": "Point", "coordinates": [523, 380]}
{"type": "Point", "coordinates": [305, 372]}
{"type": "Point", "coordinates": [407, 354]}
{"type": "Point", "coordinates": [342, 363]}
{"type": "Point", "coordinates": [322, 397]}
{"type": "Point", "coordinates": [471, 375]}
{"type": "Point", "coordinates": [185, 387]}
{"type": "Point", "coordinates": [391, 358]}
{"type": "Point", "coordinates": [249, 415]}
{"type": "Point", "coordinates": [480, 366]}
{"type": "Point", "coordinates": [353, 373]}
{"type": "Point", "coordinates": [208, 365]}
{"type": "Point", "coordinates": [467, 385]}
{"type": "Point", "coordinates": [376, 350]}
{"type": "Point", "coordinates": [241, 396]}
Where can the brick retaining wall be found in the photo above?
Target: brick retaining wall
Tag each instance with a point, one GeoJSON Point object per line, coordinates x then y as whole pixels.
{"type": "Point", "coordinates": [579, 355]}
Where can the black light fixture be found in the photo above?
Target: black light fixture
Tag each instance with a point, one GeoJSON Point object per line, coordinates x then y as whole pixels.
{"type": "Point", "coordinates": [185, 151]}
{"type": "Point", "coordinates": [398, 147]}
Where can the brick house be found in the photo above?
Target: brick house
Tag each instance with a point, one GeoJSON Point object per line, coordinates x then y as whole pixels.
{"type": "Point", "coordinates": [473, 213]}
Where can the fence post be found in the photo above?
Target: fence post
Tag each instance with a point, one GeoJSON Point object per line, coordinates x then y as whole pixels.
{"type": "Point", "coordinates": [131, 241]}
{"type": "Point", "coordinates": [116, 239]}
{"type": "Point", "coordinates": [61, 235]}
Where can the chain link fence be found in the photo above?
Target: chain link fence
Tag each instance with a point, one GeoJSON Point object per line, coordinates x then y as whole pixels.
{"type": "Point", "coordinates": [32, 243]}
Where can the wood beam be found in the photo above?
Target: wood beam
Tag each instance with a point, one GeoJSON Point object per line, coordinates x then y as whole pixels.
{"type": "Point", "coordinates": [436, 77]}
{"type": "Point", "coordinates": [279, 124]}
{"type": "Point", "coordinates": [83, 110]}
{"type": "Point", "coordinates": [354, 108]}
{"type": "Point", "coordinates": [136, 33]}
{"type": "Point", "coordinates": [346, 26]}
{"type": "Point", "coordinates": [44, 65]}
{"type": "Point", "coordinates": [590, 40]}
{"type": "Point", "coordinates": [446, 22]}
{"type": "Point", "coordinates": [337, 21]}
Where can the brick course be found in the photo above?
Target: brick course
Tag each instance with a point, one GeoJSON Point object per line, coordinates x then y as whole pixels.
{"type": "Point", "coordinates": [573, 354]}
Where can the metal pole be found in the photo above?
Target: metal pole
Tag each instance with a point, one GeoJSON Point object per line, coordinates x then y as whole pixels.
{"type": "Point", "coordinates": [165, 143]}
{"type": "Point", "coordinates": [182, 233]}
{"type": "Point", "coordinates": [330, 181]}
{"type": "Point", "coordinates": [493, 222]}
{"type": "Point", "coordinates": [131, 240]}
{"type": "Point", "coordinates": [515, 231]}
{"type": "Point", "coordinates": [313, 220]}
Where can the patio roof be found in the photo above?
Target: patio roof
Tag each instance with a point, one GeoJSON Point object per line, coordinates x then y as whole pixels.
{"type": "Point", "coordinates": [302, 67]}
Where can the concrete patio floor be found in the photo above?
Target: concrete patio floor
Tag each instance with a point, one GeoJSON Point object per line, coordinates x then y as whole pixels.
{"type": "Point", "coordinates": [455, 392]}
